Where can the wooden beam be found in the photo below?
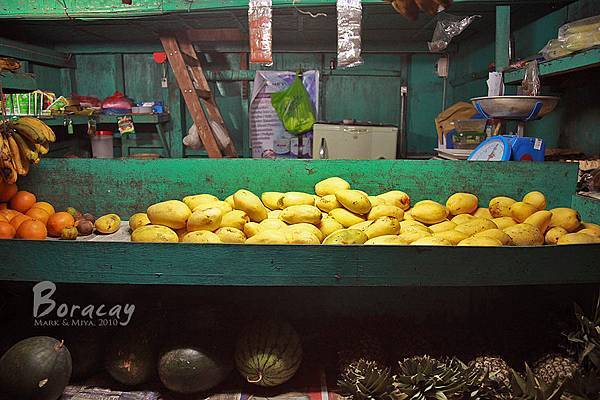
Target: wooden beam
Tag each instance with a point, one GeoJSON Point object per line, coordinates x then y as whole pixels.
{"type": "Point", "coordinates": [216, 35]}
{"type": "Point", "coordinates": [35, 54]}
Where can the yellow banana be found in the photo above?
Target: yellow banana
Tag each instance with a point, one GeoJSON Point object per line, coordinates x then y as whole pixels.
{"type": "Point", "coordinates": [6, 163]}
{"type": "Point", "coordinates": [42, 148]}
{"type": "Point", "coordinates": [40, 126]}
{"type": "Point", "coordinates": [16, 157]}
{"type": "Point", "coordinates": [27, 148]}
{"type": "Point", "coordinates": [29, 131]}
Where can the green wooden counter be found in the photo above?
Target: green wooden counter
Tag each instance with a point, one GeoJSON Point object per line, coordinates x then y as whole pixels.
{"type": "Point", "coordinates": [128, 186]}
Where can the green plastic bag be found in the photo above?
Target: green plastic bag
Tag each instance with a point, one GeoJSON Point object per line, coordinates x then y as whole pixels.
{"type": "Point", "coordinates": [294, 108]}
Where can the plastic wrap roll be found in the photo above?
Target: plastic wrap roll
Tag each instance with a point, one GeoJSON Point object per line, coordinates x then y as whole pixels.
{"type": "Point", "coordinates": [349, 20]}
{"type": "Point", "coordinates": [260, 27]}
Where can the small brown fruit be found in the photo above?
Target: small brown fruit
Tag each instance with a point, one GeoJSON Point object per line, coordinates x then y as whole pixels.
{"type": "Point", "coordinates": [69, 233]}
{"type": "Point", "coordinates": [89, 217]}
{"type": "Point", "coordinates": [84, 227]}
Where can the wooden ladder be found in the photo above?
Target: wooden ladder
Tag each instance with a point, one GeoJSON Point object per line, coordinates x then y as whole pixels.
{"type": "Point", "coordinates": [198, 97]}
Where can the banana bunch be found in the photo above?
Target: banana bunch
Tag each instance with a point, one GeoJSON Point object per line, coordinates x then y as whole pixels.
{"type": "Point", "coordinates": [21, 144]}
{"type": "Point", "coordinates": [410, 8]}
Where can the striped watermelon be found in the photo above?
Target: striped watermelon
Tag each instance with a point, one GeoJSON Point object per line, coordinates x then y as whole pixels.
{"type": "Point", "coordinates": [268, 353]}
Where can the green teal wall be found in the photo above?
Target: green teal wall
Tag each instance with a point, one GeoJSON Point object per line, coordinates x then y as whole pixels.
{"type": "Point", "coordinates": [370, 92]}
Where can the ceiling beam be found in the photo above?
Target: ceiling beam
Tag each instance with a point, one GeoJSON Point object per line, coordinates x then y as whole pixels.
{"type": "Point", "coordinates": [35, 54]}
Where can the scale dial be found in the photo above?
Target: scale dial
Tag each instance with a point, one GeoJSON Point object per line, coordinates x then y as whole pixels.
{"type": "Point", "coordinates": [495, 148]}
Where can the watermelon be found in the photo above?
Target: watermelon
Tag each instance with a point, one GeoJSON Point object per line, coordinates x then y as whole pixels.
{"type": "Point", "coordinates": [37, 368]}
{"type": "Point", "coordinates": [131, 359]}
{"type": "Point", "coordinates": [191, 369]}
{"type": "Point", "coordinates": [268, 353]}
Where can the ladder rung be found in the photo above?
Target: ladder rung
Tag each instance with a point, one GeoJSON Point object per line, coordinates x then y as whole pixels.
{"type": "Point", "coordinates": [203, 94]}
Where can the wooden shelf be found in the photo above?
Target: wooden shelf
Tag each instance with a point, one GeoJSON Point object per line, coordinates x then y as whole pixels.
{"type": "Point", "coordinates": [107, 119]}
{"type": "Point", "coordinates": [295, 265]}
{"type": "Point", "coordinates": [17, 82]}
{"type": "Point", "coordinates": [564, 65]}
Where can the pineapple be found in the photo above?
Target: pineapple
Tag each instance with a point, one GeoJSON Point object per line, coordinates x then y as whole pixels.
{"type": "Point", "coordinates": [587, 338]}
{"type": "Point", "coordinates": [426, 378]}
{"type": "Point", "coordinates": [499, 370]}
{"type": "Point", "coordinates": [366, 380]}
{"type": "Point", "coordinates": [583, 387]}
{"type": "Point", "coordinates": [554, 366]}
{"type": "Point", "coordinates": [533, 388]}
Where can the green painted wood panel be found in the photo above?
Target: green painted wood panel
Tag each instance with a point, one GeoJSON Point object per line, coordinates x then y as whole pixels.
{"type": "Point", "coordinates": [142, 77]}
{"type": "Point", "coordinates": [293, 265]}
{"type": "Point", "coordinates": [96, 75]}
{"type": "Point", "coordinates": [48, 78]}
{"type": "Point", "coordinates": [588, 207]}
{"type": "Point", "coordinates": [129, 186]}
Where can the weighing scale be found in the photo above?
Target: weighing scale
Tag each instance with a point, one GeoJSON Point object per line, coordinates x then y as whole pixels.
{"type": "Point", "coordinates": [512, 108]}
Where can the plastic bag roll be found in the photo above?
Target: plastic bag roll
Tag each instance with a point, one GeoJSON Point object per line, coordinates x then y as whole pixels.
{"type": "Point", "coordinates": [260, 26]}
{"type": "Point", "coordinates": [349, 20]}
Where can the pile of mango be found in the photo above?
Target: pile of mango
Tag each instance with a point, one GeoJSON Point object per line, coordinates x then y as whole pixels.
{"type": "Point", "coordinates": [337, 214]}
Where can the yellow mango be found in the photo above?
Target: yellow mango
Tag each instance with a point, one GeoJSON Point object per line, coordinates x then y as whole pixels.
{"type": "Point", "coordinates": [410, 225]}
{"type": "Point", "coordinates": [354, 200]}
{"type": "Point", "coordinates": [577, 238]}
{"type": "Point", "coordinates": [482, 213]}
{"type": "Point", "coordinates": [296, 199]}
{"type": "Point", "coordinates": [500, 206]}
{"type": "Point", "coordinates": [408, 215]}
{"type": "Point", "coordinates": [230, 235]}
{"type": "Point", "coordinates": [273, 214]}
{"type": "Point", "coordinates": [462, 203]}
{"type": "Point", "coordinates": [411, 236]}
{"type": "Point", "coordinates": [234, 219]}
{"type": "Point", "coordinates": [301, 237]}
{"type": "Point", "coordinates": [271, 224]}
{"type": "Point", "coordinates": [361, 226]}
{"type": "Point", "coordinates": [205, 220]}
{"type": "Point", "coordinates": [504, 222]}
{"type": "Point", "coordinates": [554, 234]}
{"type": "Point", "coordinates": [247, 201]}
{"type": "Point", "coordinates": [201, 237]}
{"type": "Point", "coordinates": [476, 225]}
{"type": "Point", "coordinates": [497, 234]}
{"type": "Point", "coordinates": [328, 203]}
{"type": "Point", "coordinates": [329, 225]}
{"type": "Point", "coordinates": [345, 217]}
{"type": "Point", "coordinates": [520, 211]}
{"type": "Point", "coordinates": [181, 233]}
{"type": "Point", "coordinates": [540, 219]}
{"type": "Point", "coordinates": [384, 210]}
{"type": "Point", "coordinates": [589, 225]}
{"type": "Point", "coordinates": [172, 213]}
{"type": "Point", "coordinates": [198, 199]}
{"type": "Point", "coordinates": [154, 233]}
{"type": "Point", "coordinates": [429, 212]}
{"type": "Point", "coordinates": [387, 240]}
{"type": "Point", "coordinates": [453, 236]}
{"type": "Point", "coordinates": [137, 220]}
{"type": "Point", "coordinates": [375, 201]}
{"type": "Point", "coordinates": [271, 200]}
{"type": "Point", "coordinates": [223, 205]}
{"type": "Point", "coordinates": [442, 226]}
{"type": "Point", "coordinates": [251, 229]}
{"type": "Point", "coordinates": [395, 198]}
{"type": "Point", "coordinates": [229, 200]}
{"type": "Point", "coordinates": [592, 232]}
{"type": "Point", "coordinates": [268, 237]}
{"type": "Point", "coordinates": [565, 218]}
{"type": "Point", "coordinates": [304, 227]}
{"type": "Point", "coordinates": [462, 218]}
{"type": "Point", "coordinates": [431, 241]}
{"type": "Point", "coordinates": [331, 186]}
{"type": "Point", "coordinates": [301, 213]}
{"type": "Point", "coordinates": [383, 226]}
{"type": "Point", "coordinates": [525, 235]}
{"type": "Point", "coordinates": [107, 224]}
{"type": "Point", "coordinates": [480, 241]}
{"type": "Point", "coordinates": [536, 199]}
{"type": "Point", "coordinates": [346, 236]}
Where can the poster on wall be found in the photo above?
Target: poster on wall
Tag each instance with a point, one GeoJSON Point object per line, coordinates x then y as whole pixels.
{"type": "Point", "coordinates": [268, 137]}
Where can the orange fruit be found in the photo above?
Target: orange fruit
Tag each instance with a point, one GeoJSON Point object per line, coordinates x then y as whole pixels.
{"type": "Point", "coordinates": [18, 220]}
{"type": "Point", "coordinates": [7, 231]}
{"type": "Point", "coordinates": [9, 214]}
{"type": "Point", "coordinates": [59, 221]}
{"type": "Point", "coordinates": [32, 230]}
{"type": "Point", "coordinates": [22, 201]}
{"type": "Point", "coordinates": [4, 219]}
{"type": "Point", "coordinates": [39, 214]}
{"type": "Point", "coordinates": [3, 206]}
{"type": "Point", "coordinates": [7, 191]}
{"type": "Point", "coordinates": [49, 208]}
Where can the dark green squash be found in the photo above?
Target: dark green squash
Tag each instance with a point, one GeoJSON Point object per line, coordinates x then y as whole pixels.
{"type": "Point", "coordinates": [131, 359]}
{"type": "Point", "coordinates": [191, 369]}
{"type": "Point", "coordinates": [37, 368]}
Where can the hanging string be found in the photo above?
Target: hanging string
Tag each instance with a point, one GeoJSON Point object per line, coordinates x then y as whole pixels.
{"type": "Point", "coordinates": [317, 15]}
{"type": "Point", "coordinates": [64, 5]}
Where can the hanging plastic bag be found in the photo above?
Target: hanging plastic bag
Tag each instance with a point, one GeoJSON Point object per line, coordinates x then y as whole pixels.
{"type": "Point", "coordinates": [349, 20]}
{"type": "Point", "coordinates": [448, 26]}
{"type": "Point", "coordinates": [294, 107]}
{"type": "Point", "coordinates": [531, 81]}
{"type": "Point", "coordinates": [259, 25]}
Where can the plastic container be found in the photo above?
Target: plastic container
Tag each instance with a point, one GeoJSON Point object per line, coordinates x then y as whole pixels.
{"type": "Point", "coordinates": [102, 144]}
